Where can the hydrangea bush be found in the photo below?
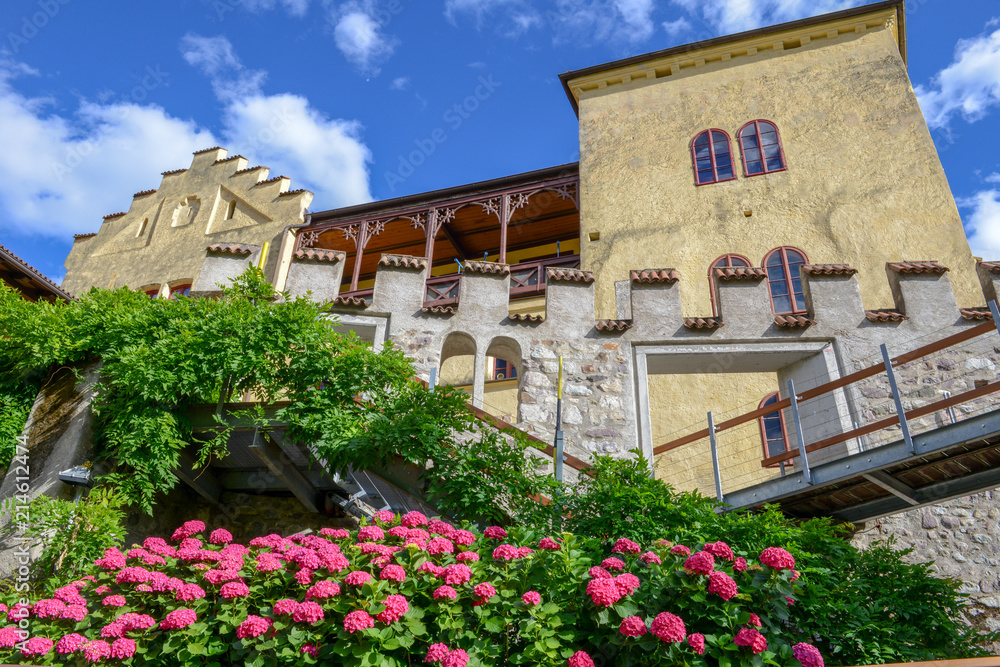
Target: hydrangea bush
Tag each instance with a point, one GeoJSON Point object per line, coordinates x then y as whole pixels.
{"type": "Point", "coordinates": [408, 590]}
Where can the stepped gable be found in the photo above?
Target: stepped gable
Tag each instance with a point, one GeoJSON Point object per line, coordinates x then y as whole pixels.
{"type": "Point", "coordinates": [320, 255]}
{"type": "Point", "coordinates": [727, 273]}
{"type": "Point", "coordinates": [403, 261]}
{"type": "Point", "coordinates": [828, 270]}
{"type": "Point", "coordinates": [568, 275]}
{"type": "Point", "coordinates": [232, 248]}
{"type": "Point", "coordinates": [793, 321]}
{"type": "Point", "coordinates": [486, 268]}
{"type": "Point", "coordinates": [613, 326]}
{"type": "Point", "coordinates": [887, 315]}
{"type": "Point", "coordinates": [932, 268]}
{"type": "Point", "coordinates": [655, 276]}
{"type": "Point", "coordinates": [703, 323]}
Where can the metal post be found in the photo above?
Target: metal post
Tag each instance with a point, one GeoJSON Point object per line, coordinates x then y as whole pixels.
{"type": "Point", "coordinates": [558, 462]}
{"type": "Point", "coordinates": [715, 457]}
{"type": "Point", "coordinates": [434, 379]}
{"type": "Point", "coordinates": [806, 473]}
{"type": "Point", "coordinates": [996, 314]}
{"type": "Point", "coordinates": [897, 399]}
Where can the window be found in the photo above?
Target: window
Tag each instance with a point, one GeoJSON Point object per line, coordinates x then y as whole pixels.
{"type": "Point", "coordinates": [783, 281]}
{"type": "Point", "coordinates": [503, 370]}
{"type": "Point", "coordinates": [773, 434]}
{"type": "Point", "coordinates": [713, 160]}
{"type": "Point", "coordinates": [723, 262]}
{"type": "Point", "coordinates": [180, 290]}
{"type": "Point", "coordinates": [760, 146]}
{"type": "Point", "coordinates": [152, 292]}
{"type": "Point", "coordinates": [231, 210]}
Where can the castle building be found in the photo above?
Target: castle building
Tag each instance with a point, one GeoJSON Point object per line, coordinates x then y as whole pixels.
{"type": "Point", "coordinates": [747, 211]}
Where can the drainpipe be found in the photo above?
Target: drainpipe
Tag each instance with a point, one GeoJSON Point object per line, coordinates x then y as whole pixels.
{"type": "Point", "coordinates": [281, 270]}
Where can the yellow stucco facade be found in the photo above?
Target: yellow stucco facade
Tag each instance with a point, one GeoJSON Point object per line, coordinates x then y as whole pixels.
{"type": "Point", "coordinates": [863, 185]}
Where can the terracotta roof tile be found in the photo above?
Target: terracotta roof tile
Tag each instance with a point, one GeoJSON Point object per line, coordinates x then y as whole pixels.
{"type": "Point", "coordinates": [975, 314]}
{"type": "Point", "coordinates": [702, 322]}
{"type": "Point", "coordinates": [724, 274]}
{"type": "Point", "coordinates": [439, 310]}
{"type": "Point", "coordinates": [526, 318]}
{"type": "Point", "coordinates": [248, 170]}
{"type": "Point", "coordinates": [115, 215]}
{"type": "Point", "coordinates": [228, 159]}
{"type": "Point", "coordinates": [143, 193]}
{"type": "Point", "coordinates": [828, 270]}
{"type": "Point", "coordinates": [613, 326]}
{"type": "Point", "coordinates": [489, 268]}
{"type": "Point", "coordinates": [885, 316]}
{"type": "Point", "coordinates": [568, 275]}
{"type": "Point", "coordinates": [403, 261]}
{"type": "Point", "coordinates": [351, 301]}
{"type": "Point", "coordinates": [34, 273]}
{"type": "Point", "coordinates": [84, 236]}
{"type": "Point", "coordinates": [793, 321]}
{"type": "Point", "coordinates": [172, 172]}
{"type": "Point", "coordinates": [206, 150]}
{"type": "Point", "coordinates": [232, 248]}
{"type": "Point", "coordinates": [652, 276]}
{"type": "Point", "coordinates": [270, 180]}
{"type": "Point", "coordinates": [290, 193]}
{"type": "Point", "coordinates": [320, 255]}
{"type": "Point", "coordinates": [992, 267]}
{"type": "Point", "coordinates": [930, 267]}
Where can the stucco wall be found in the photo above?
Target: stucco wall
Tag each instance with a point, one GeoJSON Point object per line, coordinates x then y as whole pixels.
{"type": "Point", "coordinates": [863, 173]}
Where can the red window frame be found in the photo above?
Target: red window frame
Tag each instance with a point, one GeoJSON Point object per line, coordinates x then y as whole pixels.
{"type": "Point", "coordinates": [788, 286]}
{"type": "Point", "coordinates": [725, 261]}
{"type": "Point", "coordinates": [757, 135]}
{"type": "Point", "coordinates": [713, 156]}
{"type": "Point", "coordinates": [183, 288]}
{"type": "Point", "coordinates": [764, 440]}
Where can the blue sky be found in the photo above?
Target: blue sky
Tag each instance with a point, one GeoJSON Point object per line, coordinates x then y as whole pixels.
{"type": "Point", "coordinates": [96, 99]}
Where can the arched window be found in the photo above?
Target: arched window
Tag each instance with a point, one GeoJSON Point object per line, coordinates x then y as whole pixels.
{"type": "Point", "coordinates": [723, 262]}
{"type": "Point", "coordinates": [713, 160]}
{"type": "Point", "coordinates": [180, 290]}
{"type": "Point", "coordinates": [773, 434]}
{"type": "Point", "coordinates": [760, 146]}
{"type": "Point", "coordinates": [783, 280]}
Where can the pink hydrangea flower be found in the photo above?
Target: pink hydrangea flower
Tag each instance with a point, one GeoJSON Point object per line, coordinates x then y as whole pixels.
{"type": "Point", "coordinates": [133, 575]}
{"type": "Point", "coordinates": [336, 562]}
{"type": "Point", "coordinates": [484, 591]}
{"type": "Point", "coordinates": [234, 589]}
{"type": "Point", "coordinates": [70, 643]}
{"type": "Point", "coordinates": [385, 516]}
{"type": "Point", "coordinates": [96, 650]}
{"type": "Point", "coordinates": [777, 558]}
{"type": "Point", "coordinates": [101, 590]}
{"type": "Point", "coordinates": [495, 533]}
{"type": "Point", "coordinates": [413, 519]}
{"type": "Point", "coordinates": [37, 646]}
{"type": "Point", "coordinates": [700, 562]}
{"type": "Point", "coordinates": [284, 607]}
{"type": "Point", "coordinates": [467, 556]}
{"type": "Point", "coordinates": [113, 560]}
{"type": "Point", "coordinates": [463, 538]}
{"type": "Point", "coordinates": [531, 598]}
{"type": "Point", "coordinates": [189, 592]}
{"type": "Point", "coordinates": [399, 532]}
{"type": "Point", "coordinates": [696, 641]}
{"type": "Point", "coordinates": [10, 636]}
{"type": "Point", "coordinates": [392, 573]}
{"type": "Point", "coordinates": [456, 575]}
{"type": "Point", "coordinates": [633, 626]}
{"type": "Point", "coordinates": [627, 583]}
{"type": "Point", "coordinates": [268, 563]}
{"type": "Point", "coordinates": [323, 589]}
{"type": "Point", "coordinates": [310, 649]}
{"type": "Point", "coordinates": [179, 618]}
{"type": "Point", "coordinates": [254, 626]}
{"type": "Point", "coordinates": [750, 637]}
{"type": "Point", "coordinates": [114, 601]}
{"type": "Point", "coordinates": [440, 545]}
{"type": "Point", "coordinates": [807, 654]}
{"type": "Point", "coordinates": [719, 550]}
{"type": "Point", "coordinates": [598, 572]}
{"type": "Point", "coordinates": [431, 568]}
{"type": "Point", "coordinates": [603, 592]}
{"type": "Point", "coordinates": [668, 627]}
{"type": "Point", "coordinates": [307, 612]}
{"type": "Point", "coordinates": [133, 621]}
{"type": "Point", "coordinates": [650, 558]}
{"type": "Point", "coordinates": [548, 544]}
{"type": "Point", "coordinates": [395, 607]}
{"type": "Point", "coordinates": [304, 576]}
{"type": "Point", "coordinates": [113, 629]}
{"type": "Point", "coordinates": [456, 658]}
{"type": "Point", "coordinates": [625, 546]}
{"type": "Point", "coordinates": [581, 659]}
{"type": "Point", "coordinates": [220, 536]}
{"type": "Point", "coordinates": [221, 576]}
{"type": "Point", "coordinates": [358, 620]}
{"type": "Point", "coordinates": [740, 564]}
{"type": "Point", "coordinates": [613, 564]}
{"type": "Point", "coordinates": [76, 612]}
{"type": "Point", "coordinates": [722, 585]}
{"type": "Point", "coordinates": [439, 527]}
{"type": "Point", "coordinates": [69, 595]}
{"type": "Point", "coordinates": [187, 529]}
{"type": "Point", "coordinates": [754, 621]}
{"type": "Point", "coordinates": [505, 552]}
{"type": "Point", "coordinates": [335, 533]}
{"type": "Point", "coordinates": [123, 648]}
{"type": "Point", "coordinates": [445, 592]}
{"type": "Point", "coordinates": [680, 550]}
{"type": "Point", "coordinates": [371, 534]}
{"type": "Point", "coordinates": [357, 578]}
{"type": "Point", "coordinates": [49, 608]}
{"type": "Point", "coordinates": [436, 653]}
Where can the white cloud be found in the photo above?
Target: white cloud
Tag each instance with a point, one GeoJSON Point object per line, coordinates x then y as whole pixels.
{"type": "Point", "coordinates": [294, 7]}
{"type": "Point", "coordinates": [479, 9]}
{"type": "Point", "coordinates": [982, 224]}
{"type": "Point", "coordinates": [358, 35]}
{"type": "Point", "coordinates": [729, 16]}
{"type": "Point", "coordinates": [59, 173]}
{"type": "Point", "coordinates": [970, 85]}
{"type": "Point", "coordinates": [626, 22]}
{"type": "Point", "coordinates": [675, 29]}
{"type": "Point", "coordinates": [400, 83]}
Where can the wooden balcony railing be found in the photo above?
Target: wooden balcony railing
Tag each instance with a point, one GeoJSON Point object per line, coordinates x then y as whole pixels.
{"type": "Point", "coordinates": [443, 290]}
{"type": "Point", "coordinates": [528, 279]}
